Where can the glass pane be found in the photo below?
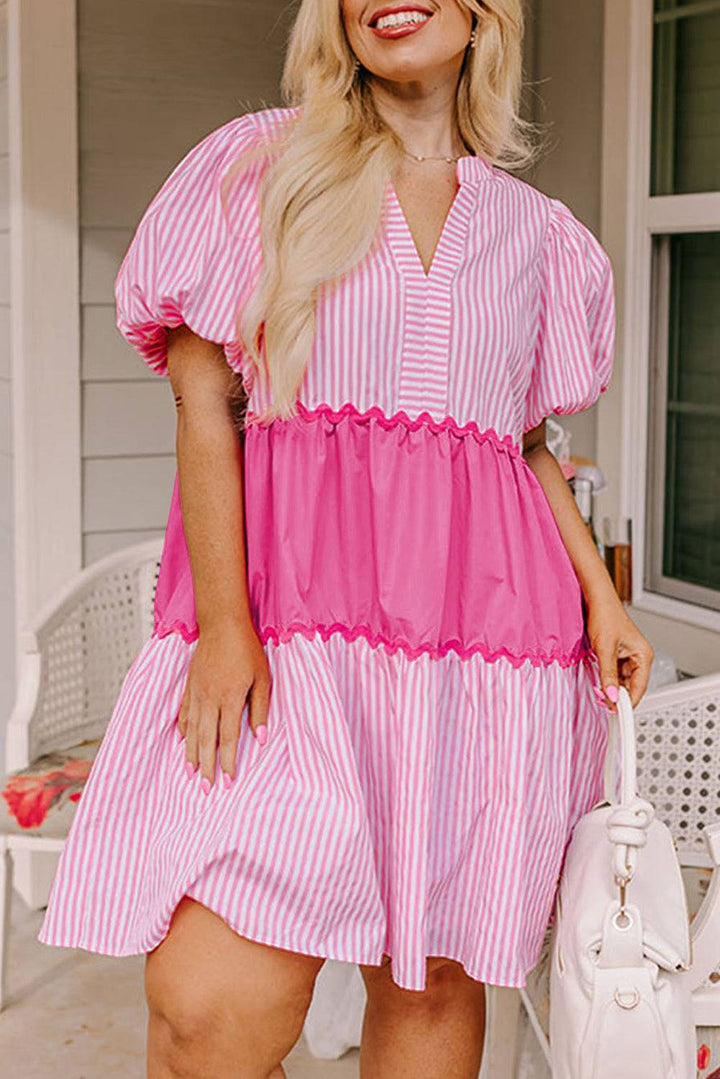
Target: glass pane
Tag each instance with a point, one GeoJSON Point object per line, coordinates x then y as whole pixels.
{"type": "Point", "coordinates": [692, 520]}
{"type": "Point", "coordinates": [691, 549]}
{"type": "Point", "coordinates": [686, 98]}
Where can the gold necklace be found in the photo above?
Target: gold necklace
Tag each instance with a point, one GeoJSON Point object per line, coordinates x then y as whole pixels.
{"type": "Point", "coordinates": [427, 157]}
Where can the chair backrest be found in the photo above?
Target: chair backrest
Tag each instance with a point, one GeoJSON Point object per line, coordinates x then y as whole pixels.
{"type": "Point", "coordinates": [678, 758]}
{"type": "Point", "coordinates": [87, 639]}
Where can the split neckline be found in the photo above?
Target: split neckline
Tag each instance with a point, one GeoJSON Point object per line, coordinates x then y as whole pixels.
{"type": "Point", "coordinates": [470, 171]}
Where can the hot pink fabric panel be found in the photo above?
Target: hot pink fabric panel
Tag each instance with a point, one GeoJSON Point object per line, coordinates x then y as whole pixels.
{"type": "Point", "coordinates": [418, 535]}
{"type": "Point", "coordinates": [174, 607]}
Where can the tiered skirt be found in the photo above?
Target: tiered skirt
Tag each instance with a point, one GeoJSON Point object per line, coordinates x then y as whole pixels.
{"type": "Point", "coordinates": [434, 730]}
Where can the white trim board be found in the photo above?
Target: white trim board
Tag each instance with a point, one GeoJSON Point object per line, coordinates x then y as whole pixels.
{"type": "Point", "coordinates": [44, 264]}
{"type": "Point", "coordinates": [45, 335]}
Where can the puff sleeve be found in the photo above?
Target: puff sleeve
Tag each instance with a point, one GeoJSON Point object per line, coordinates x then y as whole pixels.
{"type": "Point", "coordinates": [574, 337]}
{"type": "Point", "coordinates": [189, 260]}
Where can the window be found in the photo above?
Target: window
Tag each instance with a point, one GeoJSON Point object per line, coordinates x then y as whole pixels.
{"type": "Point", "coordinates": [682, 511]}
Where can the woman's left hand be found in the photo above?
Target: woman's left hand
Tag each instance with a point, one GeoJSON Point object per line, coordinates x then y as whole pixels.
{"type": "Point", "coordinates": [624, 654]}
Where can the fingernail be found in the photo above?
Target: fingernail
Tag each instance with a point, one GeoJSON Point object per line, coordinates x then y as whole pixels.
{"type": "Point", "coordinates": [226, 780]}
{"type": "Point", "coordinates": [612, 692]}
{"type": "Point", "coordinates": [261, 734]}
{"type": "Point", "coordinates": [189, 769]}
{"type": "Point", "coordinates": [205, 785]}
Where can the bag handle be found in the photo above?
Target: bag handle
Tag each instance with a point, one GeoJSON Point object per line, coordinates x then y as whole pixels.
{"type": "Point", "coordinates": [622, 727]}
{"type": "Point", "coordinates": [628, 821]}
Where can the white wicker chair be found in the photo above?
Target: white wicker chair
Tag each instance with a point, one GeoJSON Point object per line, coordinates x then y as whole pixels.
{"type": "Point", "coordinates": [678, 759]}
{"type": "Point", "coordinates": [73, 659]}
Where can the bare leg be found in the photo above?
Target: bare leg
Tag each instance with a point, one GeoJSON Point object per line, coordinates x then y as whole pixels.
{"type": "Point", "coordinates": [222, 1006]}
{"type": "Point", "coordinates": [423, 1035]}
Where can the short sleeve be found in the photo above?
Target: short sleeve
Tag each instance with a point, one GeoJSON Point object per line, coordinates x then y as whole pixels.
{"type": "Point", "coordinates": [189, 259]}
{"type": "Point", "coordinates": [572, 357]}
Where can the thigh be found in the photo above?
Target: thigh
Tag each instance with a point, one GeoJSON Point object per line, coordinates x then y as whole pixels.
{"type": "Point", "coordinates": [205, 978]}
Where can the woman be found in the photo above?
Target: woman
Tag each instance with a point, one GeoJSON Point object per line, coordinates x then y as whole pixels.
{"type": "Point", "coordinates": [381, 628]}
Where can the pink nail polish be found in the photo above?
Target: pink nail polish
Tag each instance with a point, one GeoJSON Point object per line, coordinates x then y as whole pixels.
{"type": "Point", "coordinates": [226, 780]}
{"type": "Point", "coordinates": [189, 769]}
{"type": "Point", "coordinates": [261, 734]}
{"type": "Point", "coordinates": [205, 785]}
{"type": "Point", "coordinates": [612, 692]}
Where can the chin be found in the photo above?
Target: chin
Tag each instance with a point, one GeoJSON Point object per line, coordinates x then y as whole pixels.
{"type": "Point", "coordinates": [411, 69]}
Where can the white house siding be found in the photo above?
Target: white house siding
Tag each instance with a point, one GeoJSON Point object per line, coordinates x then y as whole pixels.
{"type": "Point", "coordinates": [154, 76]}
{"type": "Point", "coordinates": [7, 588]}
{"type": "Point", "coordinates": [566, 70]}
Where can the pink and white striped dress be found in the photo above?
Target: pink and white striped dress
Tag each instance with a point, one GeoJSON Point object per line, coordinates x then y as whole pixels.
{"type": "Point", "coordinates": [433, 726]}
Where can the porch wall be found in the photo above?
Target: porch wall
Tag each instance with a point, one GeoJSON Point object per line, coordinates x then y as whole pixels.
{"type": "Point", "coordinates": [154, 77]}
{"type": "Point", "coordinates": [566, 69]}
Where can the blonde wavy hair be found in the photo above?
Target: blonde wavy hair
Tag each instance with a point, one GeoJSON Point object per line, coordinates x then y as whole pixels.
{"type": "Point", "coordinates": [337, 152]}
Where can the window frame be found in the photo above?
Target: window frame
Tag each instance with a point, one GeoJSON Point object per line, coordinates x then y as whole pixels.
{"type": "Point", "coordinates": [633, 218]}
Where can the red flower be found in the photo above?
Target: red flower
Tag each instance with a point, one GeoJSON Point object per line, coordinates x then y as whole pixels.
{"type": "Point", "coordinates": [29, 797]}
{"type": "Point", "coordinates": [703, 1056]}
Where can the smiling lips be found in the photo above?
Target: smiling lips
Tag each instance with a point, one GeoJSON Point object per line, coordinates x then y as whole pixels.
{"type": "Point", "coordinates": [399, 21]}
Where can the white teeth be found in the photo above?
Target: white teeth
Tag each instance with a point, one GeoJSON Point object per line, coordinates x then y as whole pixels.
{"type": "Point", "coordinates": [402, 18]}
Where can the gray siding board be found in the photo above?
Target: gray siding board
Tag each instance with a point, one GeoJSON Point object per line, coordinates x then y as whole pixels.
{"type": "Point", "coordinates": [117, 414]}
{"type": "Point", "coordinates": [105, 353]}
{"type": "Point", "coordinates": [98, 544]}
{"type": "Point", "coordinates": [101, 252]}
{"type": "Point", "coordinates": [127, 492]}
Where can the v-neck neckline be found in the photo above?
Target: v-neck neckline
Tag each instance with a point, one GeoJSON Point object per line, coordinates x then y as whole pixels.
{"type": "Point", "coordinates": [470, 170]}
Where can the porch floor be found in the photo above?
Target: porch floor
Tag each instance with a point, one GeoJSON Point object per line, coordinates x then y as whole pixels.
{"type": "Point", "coordinates": [80, 1015]}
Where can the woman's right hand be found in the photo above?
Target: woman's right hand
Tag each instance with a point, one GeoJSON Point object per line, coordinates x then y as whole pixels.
{"type": "Point", "coordinates": [227, 664]}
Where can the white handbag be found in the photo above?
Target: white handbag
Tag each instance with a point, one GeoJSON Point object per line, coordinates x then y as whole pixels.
{"type": "Point", "coordinates": [620, 935]}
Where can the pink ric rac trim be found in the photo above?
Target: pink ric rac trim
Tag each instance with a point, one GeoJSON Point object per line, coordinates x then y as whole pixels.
{"type": "Point", "coordinates": [283, 634]}
{"type": "Point", "coordinates": [423, 419]}
{"type": "Point", "coordinates": [162, 629]}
